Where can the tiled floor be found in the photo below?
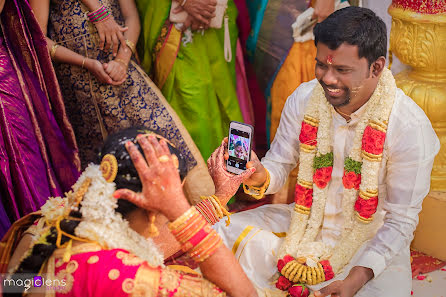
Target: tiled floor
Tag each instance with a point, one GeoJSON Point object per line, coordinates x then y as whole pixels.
{"type": "Point", "coordinates": [434, 285]}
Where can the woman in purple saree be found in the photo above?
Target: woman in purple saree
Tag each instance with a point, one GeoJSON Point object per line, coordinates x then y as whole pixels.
{"type": "Point", "coordinates": [38, 152]}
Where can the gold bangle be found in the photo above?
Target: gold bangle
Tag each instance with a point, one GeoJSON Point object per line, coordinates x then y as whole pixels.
{"type": "Point", "coordinates": [122, 62]}
{"type": "Point", "coordinates": [53, 50]}
{"type": "Point", "coordinates": [83, 62]}
{"type": "Point", "coordinates": [183, 218]}
{"type": "Point", "coordinates": [258, 192]}
{"type": "Point", "coordinates": [131, 46]}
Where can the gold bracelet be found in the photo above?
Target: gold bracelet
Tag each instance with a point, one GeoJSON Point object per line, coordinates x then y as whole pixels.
{"type": "Point", "coordinates": [258, 192]}
{"type": "Point", "coordinates": [122, 62]}
{"type": "Point", "coordinates": [83, 62]}
{"type": "Point", "coordinates": [131, 46]}
{"type": "Point", "coordinates": [53, 50]}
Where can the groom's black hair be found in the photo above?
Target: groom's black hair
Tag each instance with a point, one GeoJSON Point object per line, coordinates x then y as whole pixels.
{"type": "Point", "coordinates": [355, 26]}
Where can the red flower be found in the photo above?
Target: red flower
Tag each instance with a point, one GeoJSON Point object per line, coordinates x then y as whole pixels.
{"type": "Point", "coordinates": [328, 271]}
{"type": "Point", "coordinates": [308, 134]}
{"type": "Point", "coordinates": [373, 141]}
{"type": "Point", "coordinates": [322, 176]}
{"type": "Point", "coordinates": [283, 283]}
{"type": "Point", "coordinates": [351, 180]}
{"type": "Point", "coordinates": [282, 262]}
{"type": "Point", "coordinates": [366, 208]}
{"type": "Point", "coordinates": [299, 291]}
{"type": "Point", "coordinates": [303, 196]}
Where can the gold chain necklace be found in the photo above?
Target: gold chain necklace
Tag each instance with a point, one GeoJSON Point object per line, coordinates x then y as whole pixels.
{"type": "Point", "coordinates": [343, 114]}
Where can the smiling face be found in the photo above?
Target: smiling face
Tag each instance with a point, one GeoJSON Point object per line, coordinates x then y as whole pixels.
{"type": "Point", "coordinates": [347, 80]}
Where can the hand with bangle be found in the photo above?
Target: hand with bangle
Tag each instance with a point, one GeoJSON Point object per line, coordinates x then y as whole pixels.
{"type": "Point", "coordinates": [111, 34]}
{"type": "Point", "coordinates": [161, 184]}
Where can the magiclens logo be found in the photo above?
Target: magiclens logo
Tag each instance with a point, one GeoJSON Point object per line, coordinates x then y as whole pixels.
{"type": "Point", "coordinates": [18, 283]}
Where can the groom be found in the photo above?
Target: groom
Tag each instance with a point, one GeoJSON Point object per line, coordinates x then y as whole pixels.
{"type": "Point", "coordinates": [365, 152]}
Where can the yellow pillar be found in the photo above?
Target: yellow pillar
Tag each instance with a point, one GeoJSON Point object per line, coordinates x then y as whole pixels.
{"type": "Point", "coordinates": [418, 39]}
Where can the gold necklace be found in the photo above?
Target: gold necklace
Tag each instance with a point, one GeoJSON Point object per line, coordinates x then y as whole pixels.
{"type": "Point", "coordinates": [343, 114]}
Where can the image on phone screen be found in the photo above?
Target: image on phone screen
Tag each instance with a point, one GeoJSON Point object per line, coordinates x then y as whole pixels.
{"type": "Point", "coordinates": [238, 149]}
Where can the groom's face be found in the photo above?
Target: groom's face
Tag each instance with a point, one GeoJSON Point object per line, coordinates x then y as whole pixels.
{"type": "Point", "coordinates": [345, 78]}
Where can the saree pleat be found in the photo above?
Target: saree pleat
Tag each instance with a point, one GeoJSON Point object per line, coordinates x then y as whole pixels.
{"type": "Point", "coordinates": [38, 152]}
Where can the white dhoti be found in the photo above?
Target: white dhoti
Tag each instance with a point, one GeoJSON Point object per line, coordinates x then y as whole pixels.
{"type": "Point", "coordinates": [256, 235]}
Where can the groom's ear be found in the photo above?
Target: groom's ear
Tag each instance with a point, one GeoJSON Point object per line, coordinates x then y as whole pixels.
{"type": "Point", "coordinates": [377, 67]}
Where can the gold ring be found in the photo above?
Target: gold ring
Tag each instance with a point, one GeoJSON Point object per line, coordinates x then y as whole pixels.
{"type": "Point", "coordinates": [163, 158]}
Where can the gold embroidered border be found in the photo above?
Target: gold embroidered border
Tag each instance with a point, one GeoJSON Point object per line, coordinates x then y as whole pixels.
{"type": "Point", "coordinates": [146, 281]}
{"type": "Point", "coordinates": [240, 238]}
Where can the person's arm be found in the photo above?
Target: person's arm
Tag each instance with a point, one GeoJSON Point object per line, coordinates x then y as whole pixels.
{"type": "Point", "coordinates": [117, 69]}
{"type": "Point", "coordinates": [162, 192]}
{"type": "Point", "coordinates": [110, 33]}
{"type": "Point", "coordinates": [2, 3]}
{"type": "Point", "coordinates": [411, 155]}
{"type": "Point", "coordinates": [322, 9]}
{"type": "Point", "coordinates": [283, 155]}
{"type": "Point", "coordinates": [62, 54]}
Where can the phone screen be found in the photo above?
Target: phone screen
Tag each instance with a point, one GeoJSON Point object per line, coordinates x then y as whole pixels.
{"type": "Point", "coordinates": [238, 148]}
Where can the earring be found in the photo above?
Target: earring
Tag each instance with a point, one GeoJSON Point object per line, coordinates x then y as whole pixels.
{"type": "Point", "coordinates": [153, 230]}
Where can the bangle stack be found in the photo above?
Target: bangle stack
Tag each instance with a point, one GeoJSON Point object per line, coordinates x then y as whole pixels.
{"type": "Point", "coordinates": [212, 210]}
{"type": "Point", "coordinates": [99, 15]}
{"type": "Point", "coordinates": [195, 235]}
{"type": "Point", "coordinates": [258, 192]}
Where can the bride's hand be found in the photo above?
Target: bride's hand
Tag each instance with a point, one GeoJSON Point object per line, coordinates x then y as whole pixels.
{"type": "Point", "coordinates": [226, 183]}
{"type": "Point", "coordinates": [161, 184]}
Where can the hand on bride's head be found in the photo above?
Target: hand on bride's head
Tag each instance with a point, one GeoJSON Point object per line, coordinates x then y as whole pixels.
{"type": "Point", "coordinates": [161, 184]}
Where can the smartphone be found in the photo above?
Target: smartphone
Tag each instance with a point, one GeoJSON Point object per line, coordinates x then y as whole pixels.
{"type": "Point", "coordinates": [239, 146]}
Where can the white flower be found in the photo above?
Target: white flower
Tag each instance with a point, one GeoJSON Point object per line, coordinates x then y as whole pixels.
{"type": "Point", "coordinates": [54, 208]}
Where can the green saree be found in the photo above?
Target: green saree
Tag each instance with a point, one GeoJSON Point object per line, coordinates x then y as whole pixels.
{"type": "Point", "coordinates": [194, 78]}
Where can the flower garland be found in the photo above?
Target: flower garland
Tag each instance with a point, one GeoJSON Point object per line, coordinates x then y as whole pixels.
{"type": "Point", "coordinates": [100, 221]}
{"type": "Point", "coordinates": [310, 262]}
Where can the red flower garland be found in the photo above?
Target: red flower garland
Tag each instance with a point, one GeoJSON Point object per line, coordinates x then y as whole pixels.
{"type": "Point", "coordinates": [322, 176]}
{"type": "Point", "coordinates": [366, 208]}
{"type": "Point", "coordinates": [328, 271]}
{"type": "Point", "coordinates": [351, 180]}
{"type": "Point", "coordinates": [283, 283]}
{"type": "Point", "coordinates": [308, 134]}
{"type": "Point", "coordinates": [303, 196]}
{"type": "Point", "coordinates": [373, 141]}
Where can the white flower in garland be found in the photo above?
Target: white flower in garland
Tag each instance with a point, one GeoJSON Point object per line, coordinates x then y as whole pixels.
{"type": "Point", "coordinates": [101, 223]}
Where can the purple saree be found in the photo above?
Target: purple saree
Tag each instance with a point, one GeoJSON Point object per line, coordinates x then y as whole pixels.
{"type": "Point", "coordinates": [38, 152]}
